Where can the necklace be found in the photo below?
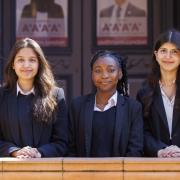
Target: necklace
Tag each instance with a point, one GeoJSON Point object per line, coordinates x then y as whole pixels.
{"type": "Point", "coordinates": [168, 89]}
{"type": "Point", "coordinates": [169, 84]}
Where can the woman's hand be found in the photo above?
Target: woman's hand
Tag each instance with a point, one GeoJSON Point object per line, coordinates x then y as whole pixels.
{"type": "Point", "coordinates": [26, 152]}
{"type": "Point", "coordinates": [170, 151]}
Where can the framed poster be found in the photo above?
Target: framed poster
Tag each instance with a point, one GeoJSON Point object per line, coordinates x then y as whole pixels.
{"type": "Point", "coordinates": [123, 23]}
{"type": "Point", "coordinates": [47, 22]}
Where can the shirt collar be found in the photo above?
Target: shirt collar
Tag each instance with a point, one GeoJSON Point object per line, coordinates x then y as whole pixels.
{"type": "Point", "coordinates": [24, 93]}
{"type": "Point", "coordinates": [123, 8]}
{"type": "Point", "coordinates": [113, 99]}
{"type": "Point", "coordinates": [164, 94]}
{"type": "Point", "coordinates": [111, 102]}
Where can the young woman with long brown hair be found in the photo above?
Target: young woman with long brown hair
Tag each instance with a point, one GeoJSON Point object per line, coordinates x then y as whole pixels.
{"type": "Point", "coordinates": [33, 115]}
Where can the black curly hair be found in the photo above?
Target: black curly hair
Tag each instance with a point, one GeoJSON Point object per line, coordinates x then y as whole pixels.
{"type": "Point", "coordinates": [122, 85]}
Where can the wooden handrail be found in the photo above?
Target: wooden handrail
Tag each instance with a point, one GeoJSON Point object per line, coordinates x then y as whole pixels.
{"type": "Point", "coordinates": [90, 169]}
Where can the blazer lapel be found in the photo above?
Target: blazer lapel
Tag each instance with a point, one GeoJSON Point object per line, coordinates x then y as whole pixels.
{"type": "Point", "coordinates": [13, 115]}
{"type": "Point", "coordinates": [88, 117]}
{"type": "Point", "coordinates": [120, 117]}
{"type": "Point", "coordinates": [159, 106]}
{"type": "Point", "coordinates": [176, 110]}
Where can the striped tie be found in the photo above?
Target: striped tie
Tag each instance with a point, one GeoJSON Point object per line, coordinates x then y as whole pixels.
{"type": "Point", "coordinates": [118, 12]}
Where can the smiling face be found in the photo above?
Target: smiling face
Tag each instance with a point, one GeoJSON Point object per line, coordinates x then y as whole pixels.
{"type": "Point", "coordinates": [26, 65]}
{"type": "Point", "coordinates": [168, 57]}
{"type": "Point", "coordinates": [105, 74]}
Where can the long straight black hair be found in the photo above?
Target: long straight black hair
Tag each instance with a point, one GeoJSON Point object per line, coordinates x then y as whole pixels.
{"type": "Point", "coordinates": [171, 36]}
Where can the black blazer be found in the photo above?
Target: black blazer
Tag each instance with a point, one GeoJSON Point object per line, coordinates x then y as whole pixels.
{"type": "Point", "coordinates": [156, 132]}
{"type": "Point", "coordinates": [49, 138]}
{"type": "Point", "coordinates": [128, 135]}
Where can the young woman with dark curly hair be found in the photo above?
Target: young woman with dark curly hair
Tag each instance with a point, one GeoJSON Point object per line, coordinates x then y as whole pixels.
{"type": "Point", "coordinates": [106, 123]}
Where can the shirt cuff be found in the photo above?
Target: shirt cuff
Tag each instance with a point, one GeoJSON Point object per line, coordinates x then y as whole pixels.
{"type": "Point", "coordinates": [12, 149]}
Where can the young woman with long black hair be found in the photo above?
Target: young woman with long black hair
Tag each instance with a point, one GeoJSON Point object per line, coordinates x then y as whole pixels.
{"type": "Point", "coordinates": [160, 98]}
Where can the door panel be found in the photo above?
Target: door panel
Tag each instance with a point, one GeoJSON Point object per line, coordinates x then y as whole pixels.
{"type": "Point", "coordinates": [1, 43]}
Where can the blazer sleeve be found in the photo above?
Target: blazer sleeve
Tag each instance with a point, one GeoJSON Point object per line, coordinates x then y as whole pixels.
{"type": "Point", "coordinates": [72, 129]}
{"type": "Point", "coordinates": [135, 142]}
{"type": "Point", "coordinates": [58, 144]}
{"type": "Point", "coordinates": [151, 144]}
{"type": "Point", "coordinates": [5, 147]}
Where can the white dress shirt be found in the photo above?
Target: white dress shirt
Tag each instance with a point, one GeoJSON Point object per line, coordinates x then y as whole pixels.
{"type": "Point", "coordinates": [168, 106]}
{"type": "Point", "coordinates": [22, 92]}
{"type": "Point", "coordinates": [111, 102]}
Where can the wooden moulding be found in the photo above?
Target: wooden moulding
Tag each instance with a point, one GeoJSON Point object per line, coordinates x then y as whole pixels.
{"type": "Point", "coordinates": [152, 164]}
{"type": "Point", "coordinates": [93, 164]}
{"type": "Point", "coordinates": [33, 165]}
{"type": "Point", "coordinates": [90, 168]}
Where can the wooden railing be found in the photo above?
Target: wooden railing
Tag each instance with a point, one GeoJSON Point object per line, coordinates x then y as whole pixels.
{"type": "Point", "coordinates": [90, 169]}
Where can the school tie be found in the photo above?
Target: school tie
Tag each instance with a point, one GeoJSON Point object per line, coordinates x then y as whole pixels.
{"type": "Point", "coordinates": [118, 12]}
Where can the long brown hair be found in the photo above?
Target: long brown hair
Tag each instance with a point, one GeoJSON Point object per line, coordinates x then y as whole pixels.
{"type": "Point", "coordinates": [44, 102]}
